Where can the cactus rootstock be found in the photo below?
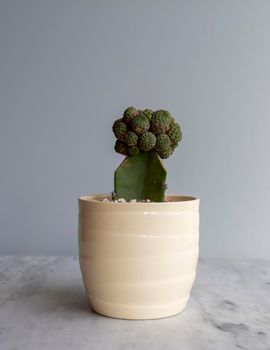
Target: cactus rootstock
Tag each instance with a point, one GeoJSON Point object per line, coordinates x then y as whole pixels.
{"type": "Point", "coordinates": [146, 130]}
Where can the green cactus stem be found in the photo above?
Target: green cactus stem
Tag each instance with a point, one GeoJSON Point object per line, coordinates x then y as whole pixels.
{"type": "Point", "coordinates": [141, 176]}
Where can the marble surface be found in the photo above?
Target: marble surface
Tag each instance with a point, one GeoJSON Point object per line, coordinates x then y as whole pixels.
{"type": "Point", "coordinates": [43, 306]}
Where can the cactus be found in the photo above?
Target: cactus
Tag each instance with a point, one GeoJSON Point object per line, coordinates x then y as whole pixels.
{"type": "Point", "coordinates": [147, 141]}
{"type": "Point", "coordinates": [144, 137]}
{"type": "Point", "coordinates": [174, 133]}
{"type": "Point", "coordinates": [129, 114]}
{"type": "Point", "coordinates": [148, 112]}
{"type": "Point", "coordinates": [163, 141]}
{"type": "Point", "coordinates": [140, 123]}
{"type": "Point", "coordinates": [119, 129]}
{"type": "Point", "coordinates": [165, 152]}
{"type": "Point", "coordinates": [119, 147]}
{"type": "Point", "coordinates": [130, 138]}
{"type": "Point", "coordinates": [160, 122]}
{"type": "Point", "coordinates": [173, 147]}
{"type": "Point", "coordinates": [133, 150]}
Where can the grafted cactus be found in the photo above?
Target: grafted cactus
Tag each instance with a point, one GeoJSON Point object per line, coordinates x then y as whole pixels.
{"type": "Point", "coordinates": [145, 137]}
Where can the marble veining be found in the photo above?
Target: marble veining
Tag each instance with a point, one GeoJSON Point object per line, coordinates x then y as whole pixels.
{"type": "Point", "coordinates": [43, 306]}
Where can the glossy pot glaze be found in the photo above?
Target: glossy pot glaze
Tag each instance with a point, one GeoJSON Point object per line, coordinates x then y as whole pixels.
{"type": "Point", "coordinates": [138, 260]}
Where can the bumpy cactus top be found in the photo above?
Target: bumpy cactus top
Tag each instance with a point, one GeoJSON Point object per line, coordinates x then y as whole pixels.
{"type": "Point", "coordinates": [141, 131]}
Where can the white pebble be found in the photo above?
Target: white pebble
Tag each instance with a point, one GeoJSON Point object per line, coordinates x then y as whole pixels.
{"type": "Point", "coordinates": [105, 200]}
{"type": "Point", "coordinates": [133, 201]}
{"type": "Point", "coordinates": [121, 200]}
{"type": "Point", "coordinates": [148, 201]}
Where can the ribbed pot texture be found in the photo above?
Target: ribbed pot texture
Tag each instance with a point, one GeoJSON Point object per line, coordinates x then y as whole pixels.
{"type": "Point", "coordinates": [138, 260]}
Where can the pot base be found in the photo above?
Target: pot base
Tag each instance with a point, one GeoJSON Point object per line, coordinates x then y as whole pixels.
{"type": "Point", "coordinates": [128, 312]}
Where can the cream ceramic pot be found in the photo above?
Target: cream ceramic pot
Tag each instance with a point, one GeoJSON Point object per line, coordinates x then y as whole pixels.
{"type": "Point", "coordinates": [138, 260]}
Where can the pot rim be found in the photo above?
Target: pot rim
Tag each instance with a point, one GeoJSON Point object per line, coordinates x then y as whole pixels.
{"type": "Point", "coordinates": [171, 198]}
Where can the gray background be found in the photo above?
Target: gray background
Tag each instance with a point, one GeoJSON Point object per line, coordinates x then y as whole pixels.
{"type": "Point", "coordinates": [69, 68]}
